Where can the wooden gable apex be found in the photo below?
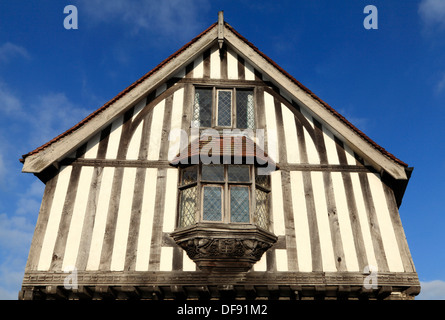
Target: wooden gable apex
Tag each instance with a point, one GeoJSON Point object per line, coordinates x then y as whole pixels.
{"type": "Point", "coordinates": [55, 150]}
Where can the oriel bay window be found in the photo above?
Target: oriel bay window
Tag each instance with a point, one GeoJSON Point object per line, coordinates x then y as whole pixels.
{"type": "Point", "coordinates": [224, 108]}
{"type": "Point", "coordinates": [228, 194]}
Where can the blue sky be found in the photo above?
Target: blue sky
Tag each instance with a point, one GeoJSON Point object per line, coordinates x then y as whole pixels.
{"type": "Point", "coordinates": [389, 82]}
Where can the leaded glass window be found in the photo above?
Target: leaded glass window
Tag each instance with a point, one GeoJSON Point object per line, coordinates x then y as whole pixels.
{"type": "Point", "coordinates": [262, 191]}
{"type": "Point", "coordinates": [189, 175]}
{"type": "Point", "coordinates": [261, 216]}
{"type": "Point", "coordinates": [188, 196]}
{"type": "Point", "coordinates": [202, 108]}
{"type": "Point", "coordinates": [262, 180]}
{"type": "Point", "coordinates": [226, 108]}
{"type": "Point", "coordinates": [212, 203]}
{"type": "Point", "coordinates": [187, 214]}
{"type": "Point", "coordinates": [239, 173]}
{"type": "Point", "coordinates": [239, 204]}
{"type": "Point", "coordinates": [245, 113]}
{"type": "Point", "coordinates": [223, 193]}
{"type": "Point", "coordinates": [213, 172]}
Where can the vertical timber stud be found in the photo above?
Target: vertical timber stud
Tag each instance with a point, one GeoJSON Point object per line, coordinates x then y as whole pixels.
{"type": "Point", "coordinates": [220, 29]}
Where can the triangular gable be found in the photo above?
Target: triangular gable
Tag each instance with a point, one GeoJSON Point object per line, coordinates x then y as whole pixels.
{"type": "Point", "coordinates": [176, 66]}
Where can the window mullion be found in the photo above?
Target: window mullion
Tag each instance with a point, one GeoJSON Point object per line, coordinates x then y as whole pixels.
{"type": "Point", "coordinates": [226, 210]}
{"type": "Point", "coordinates": [252, 208]}
{"type": "Point", "coordinates": [234, 108]}
{"type": "Point", "coordinates": [214, 107]}
{"type": "Point", "coordinates": [199, 197]}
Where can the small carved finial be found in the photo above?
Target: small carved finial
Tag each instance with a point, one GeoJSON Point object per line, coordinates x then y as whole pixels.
{"type": "Point", "coordinates": [220, 29]}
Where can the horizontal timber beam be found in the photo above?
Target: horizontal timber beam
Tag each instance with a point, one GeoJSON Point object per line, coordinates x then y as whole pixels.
{"type": "Point", "coordinates": [166, 164]}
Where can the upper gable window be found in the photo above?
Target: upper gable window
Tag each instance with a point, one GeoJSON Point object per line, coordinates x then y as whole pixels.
{"type": "Point", "coordinates": [224, 108]}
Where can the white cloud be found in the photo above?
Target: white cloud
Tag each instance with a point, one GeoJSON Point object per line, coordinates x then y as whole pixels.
{"type": "Point", "coordinates": [440, 86]}
{"type": "Point", "coordinates": [166, 17]}
{"type": "Point", "coordinates": [9, 50]}
{"type": "Point", "coordinates": [432, 290]}
{"type": "Point", "coordinates": [45, 117]}
{"type": "Point", "coordinates": [12, 269]}
{"type": "Point", "coordinates": [2, 168]}
{"type": "Point", "coordinates": [360, 122]}
{"type": "Point", "coordinates": [7, 294]}
{"type": "Point", "coordinates": [432, 13]}
{"type": "Point", "coordinates": [15, 232]}
{"type": "Point", "coordinates": [9, 103]}
{"type": "Point", "coordinates": [51, 115]}
{"type": "Point", "coordinates": [28, 202]}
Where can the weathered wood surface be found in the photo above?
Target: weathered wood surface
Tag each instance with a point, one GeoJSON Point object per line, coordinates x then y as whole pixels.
{"type": "Point", "coordinates": [109, 208]}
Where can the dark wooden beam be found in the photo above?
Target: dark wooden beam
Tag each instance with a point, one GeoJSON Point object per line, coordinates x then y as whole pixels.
{"type": "Point", "coordinates": [117, 163]}
{"type": "Point", "coordinates": [82, 293]}
{"type": "Point", "coordinates": [127, 293]}
{"type": "Point", "coordinates": [103, 293]}
{"type": "Point", "coordinates": [365, 294]}
{"type": "Point", "coordinates": [320, 292]}
{"type": "Point", "coordinates": [412, 291]}
{"type": "Point", "coordinates": [178, 292]}
{"type": "Point", "coordinates": [296, 292]}
{"type": "Point", "coordinates": [250, 292]}
{"type": "Point", "coordinates": [27, 293]}
{"type": "Point", "coordinates": [156, 293]}
{"type": "Point", "coordinates": [225, 82]}
{"type": "Point", "coordinates": [384, 292]}
{"type": "Point", "coordinates": [226, 292]}
{"type": "Point", "coordinates": [273, 291]}
{"type": "Point", "coordinates": [54, 292]}
{"type": "Point", "coordinates": [204, 292]}
{"type": "Point", "coordinates": [343, 292]}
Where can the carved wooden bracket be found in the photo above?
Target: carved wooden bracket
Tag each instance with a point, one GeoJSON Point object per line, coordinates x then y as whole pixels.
{"type": "Point", "coordinates": [218, 247]}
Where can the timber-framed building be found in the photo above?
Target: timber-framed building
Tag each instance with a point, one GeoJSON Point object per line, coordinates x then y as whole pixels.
{"type": "Point", "coordinates": [218, 175]}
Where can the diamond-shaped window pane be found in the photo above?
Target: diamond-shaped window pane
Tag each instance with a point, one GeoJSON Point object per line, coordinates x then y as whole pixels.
{"type": "Point", "coordinates": [239, 204]}
{"type": "Point", "coordinates": [212, 173]}
{"type": "Point", "coordinates": [245, 113]}
{"type": "Point", "coordinates": [187, 215]}
{"type": "Point", "coordinates": [211, 208]}
{"type": "Point", "coordinates": [238, 173]}
{"type": "Point", "coordinates": [202, 108]}
{"type": "Point", "coordinates": [261, 216]}
{"type": "Point", "coordinates": [224, 108]}
{"type": "Point", "coordinates": [262, 180]}
{"type": "Point", "coordinates": [189, 175]}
